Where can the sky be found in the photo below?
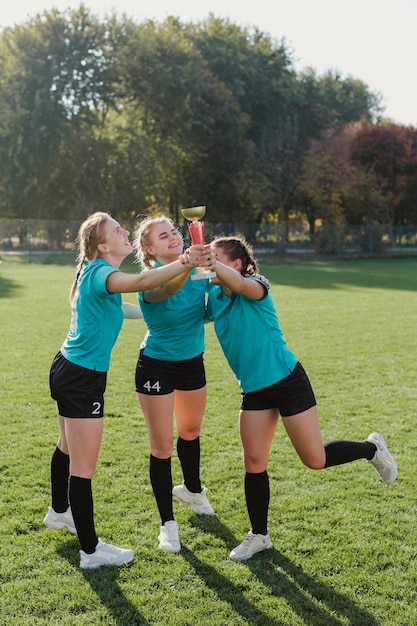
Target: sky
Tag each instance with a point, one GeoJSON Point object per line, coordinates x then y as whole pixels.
{"type": "Point", "coordinates": [372, 40]}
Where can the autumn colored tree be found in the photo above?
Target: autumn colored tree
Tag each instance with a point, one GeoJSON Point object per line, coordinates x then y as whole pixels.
{"type": "Point", "coordinates": [390, 153]}
{"type": "Point", "coordinates": [335, 189]}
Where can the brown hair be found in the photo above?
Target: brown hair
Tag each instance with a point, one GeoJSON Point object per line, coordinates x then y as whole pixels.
{"type": "Point", "coordinates": [236, 247]}
{"type": "Point", "coordinates": [141, 239]}
{"type": "Point", "coordinates": [90, 234]}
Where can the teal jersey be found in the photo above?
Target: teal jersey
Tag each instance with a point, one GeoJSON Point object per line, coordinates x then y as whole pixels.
{"type": "Point", "coordinates": [97, 318]}
{"type": "Point", "coordinates": [175, 325]}
{"type": "Point", "coordinates": [251, 339]}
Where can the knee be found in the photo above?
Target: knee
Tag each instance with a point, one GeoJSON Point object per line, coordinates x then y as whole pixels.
{"type": "Point", "coordinates": [163, 450]}
{"type": "Point", "coordinates": [83, 471]}
{"type": "Point", "coordinates": [62, 445]}
{"type": "Point", "coordinates": [316, 462]}
{"type": "Point", "coordinates": [189, 434]}
{"type": "Point", "coordinates": [255, 464]}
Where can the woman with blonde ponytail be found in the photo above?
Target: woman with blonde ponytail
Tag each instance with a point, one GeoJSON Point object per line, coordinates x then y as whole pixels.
{"type": "Point", "coordinates": [170, 377]}
{"type": "Point", "coordinates": [79, 372]}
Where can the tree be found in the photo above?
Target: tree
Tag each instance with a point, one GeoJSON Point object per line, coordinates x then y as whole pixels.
{"type": "Point", "coordinates": [55, 72]}
{"type": "Point", "coordinates": [334, 188]}
{"type": "Point", "coordinates": [198, 131]}
{"type": "Point", "coordinates": [133, 117]}
{"type": "Point", "coordinates": [389, 152]}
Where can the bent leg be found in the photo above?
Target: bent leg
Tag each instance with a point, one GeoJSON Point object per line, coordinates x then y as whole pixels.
{"type": "Point", "coordinates": [303, 429]}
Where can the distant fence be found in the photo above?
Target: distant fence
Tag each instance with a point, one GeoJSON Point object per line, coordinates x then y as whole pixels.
{"type": "Point", "coordinates": [42, 237]}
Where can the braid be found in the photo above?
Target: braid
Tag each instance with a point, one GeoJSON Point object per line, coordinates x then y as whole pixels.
{"type": "Point", "coordinates": [89, 236]}
{"type": "Point", "coordinates": [236, 247]}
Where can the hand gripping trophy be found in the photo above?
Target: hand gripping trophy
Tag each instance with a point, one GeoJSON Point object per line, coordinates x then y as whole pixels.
{"type": "Point", "coordinates": [196, 229]}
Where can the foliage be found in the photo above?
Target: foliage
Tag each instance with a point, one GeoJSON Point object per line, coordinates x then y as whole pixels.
{"type": "Point", "coordinates": [334, 188]}
{"type": "Point", "coordinates": [390, 154]}
{"type": "Point", "coordinates": [130, 117]}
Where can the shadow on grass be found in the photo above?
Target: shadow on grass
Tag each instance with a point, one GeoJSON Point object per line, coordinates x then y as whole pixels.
{"type": "Point", "coordinates": [104, 582]}
{"type": "Point", "coordinates": [7, 287]}
{"type": "Point", "coordinates": [316, 603]}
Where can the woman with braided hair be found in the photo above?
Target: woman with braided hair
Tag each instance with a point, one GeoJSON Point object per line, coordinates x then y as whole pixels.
{"type": "Point", "coordinates": [273, 383]}
{"type": "Point", "coordinates": [79, 371]}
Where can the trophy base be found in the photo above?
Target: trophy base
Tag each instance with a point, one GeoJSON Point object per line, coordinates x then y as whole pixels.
{"type": "Point", "coordinates": [202, 274]}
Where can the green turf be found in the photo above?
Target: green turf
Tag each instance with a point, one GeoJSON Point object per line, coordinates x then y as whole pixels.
{"type": "Point", "coordinates": [345, 543]}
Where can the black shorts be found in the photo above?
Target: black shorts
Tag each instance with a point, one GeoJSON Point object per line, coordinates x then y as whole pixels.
{"type": "Point", "coordinates": [78, 392]}
{"type": "Point", "coordinates": [291, 395]}
{"type": "Point", "coordinates": [155, 377]}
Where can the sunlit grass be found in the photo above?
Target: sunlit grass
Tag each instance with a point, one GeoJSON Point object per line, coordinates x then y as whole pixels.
{"type": "Point", "coordinates": [344, 542]}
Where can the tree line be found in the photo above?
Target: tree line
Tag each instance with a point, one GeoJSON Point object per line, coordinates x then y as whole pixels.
{"type": "Point", "coordinates": [131, 118]}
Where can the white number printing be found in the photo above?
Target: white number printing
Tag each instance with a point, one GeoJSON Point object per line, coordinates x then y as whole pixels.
{"type": "Point", "coordinates": [155, 386]}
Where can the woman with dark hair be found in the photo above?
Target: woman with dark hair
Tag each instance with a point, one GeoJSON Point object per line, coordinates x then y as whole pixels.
{"type": "Point", "coordinates": [273, 383]}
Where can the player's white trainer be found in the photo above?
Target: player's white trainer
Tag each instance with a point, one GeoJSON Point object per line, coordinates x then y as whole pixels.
{"type": "Point", "coordinates": [60, 520]}
{"type": "Point", "coordinates": [198, 501]}
{"type": "Point", "coordinates": [250, 546]}
{"type": "Point", "coordinates": [383, 461]}
{"type": "Point", "coordinates": [105, 554]}
{"type": "Point", "coordinates": [168, 539]}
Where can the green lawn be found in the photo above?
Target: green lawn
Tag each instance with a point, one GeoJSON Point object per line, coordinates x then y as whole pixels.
{"type": "Point", "coordinates": [345, 543]}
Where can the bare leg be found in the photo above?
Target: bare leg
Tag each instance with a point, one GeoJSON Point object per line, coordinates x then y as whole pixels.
{"type": "Point", "coordinates": [257, 430]}
{"type": "Point", "coordinates": [189, 409]}
{"type": "Point", "coordinates": [303, 430]}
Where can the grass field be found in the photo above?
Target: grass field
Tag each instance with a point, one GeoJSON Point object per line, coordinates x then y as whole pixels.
{"type": "Point", "coordinates": [345, 543]}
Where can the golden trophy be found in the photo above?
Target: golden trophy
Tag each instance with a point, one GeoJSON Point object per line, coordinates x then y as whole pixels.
{"type": "Point", "coordinates": [196, 229]}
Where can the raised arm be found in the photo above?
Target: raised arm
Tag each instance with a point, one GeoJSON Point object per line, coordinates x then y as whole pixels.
{"type": "Point", "coordinates": [236, 283]}
{"type": "Point", "coordinates": [195, 255]}
{"type": "Point", "coordinates": [120, 282]}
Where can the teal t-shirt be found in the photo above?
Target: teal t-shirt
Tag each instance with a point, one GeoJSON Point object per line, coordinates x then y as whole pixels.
{"type": "Point", "coordinates": [176, 324]}
{"type": "Point", "coordinates": [97, 318]}
{"type": "Point", "coordinates": [251, 339]}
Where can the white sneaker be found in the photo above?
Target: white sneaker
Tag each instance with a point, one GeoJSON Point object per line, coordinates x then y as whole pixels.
{"type": "Point", "coordinates": [60, 520]}
{"type": "Point", "coordinates": [105, 554]}
{"type": "Point", "coordinates": [383, 461]}
{"type": "Point", "coordinates": [168, 539]}
{"type": "Point", "coordinates": [198, 501]}
{"type": "Point", "coordinates": [250, 546]}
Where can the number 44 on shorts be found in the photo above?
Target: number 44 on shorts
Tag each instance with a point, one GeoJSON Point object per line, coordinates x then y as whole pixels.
{"type": "Point", "coordinates": [155, 387]}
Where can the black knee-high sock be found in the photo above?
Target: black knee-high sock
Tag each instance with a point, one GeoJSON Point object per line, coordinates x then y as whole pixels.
{"type": "Point", "coordinates": [189, 456]}
{"type": "Point", "coordinates": [339, 452]}
{"type": "Point", "coordinates": [81, 500]}
{"type": "Point", "coordinates": [257, 501]}
{"type": "Point", "coordinates": [161, 481]}
{"type": "Point", "coordinates": [59, 480]}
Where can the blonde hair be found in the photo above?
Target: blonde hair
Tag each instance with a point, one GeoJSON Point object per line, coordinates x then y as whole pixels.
{"type": "Point", "coordinates": [141, 239]}
{"type": "Point", "coordinates": [236, 247]}
{"type": "Point", "coordinates": [90, 234]}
